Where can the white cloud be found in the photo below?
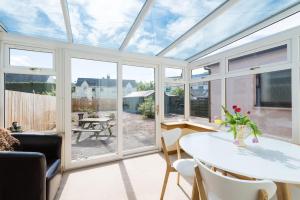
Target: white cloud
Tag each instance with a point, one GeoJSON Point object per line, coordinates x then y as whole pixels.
{"type": "Point", "coordinates": [184, 15]}
{"type": "Point", "coordinates": [109, 21]}
{"type": "Point", "coordinates": [234, 20]}
{"type": "Point", "coordinates": [26, 14]}
{"type": "Point", "coordinates": [20, 60]}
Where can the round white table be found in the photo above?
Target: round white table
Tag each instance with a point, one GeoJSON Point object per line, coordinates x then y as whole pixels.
{"type": "Point", "coordinates": [270, 159]}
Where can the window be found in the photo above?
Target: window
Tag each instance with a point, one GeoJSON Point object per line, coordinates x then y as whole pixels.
{"type": "Point", "coordinates": [174, 102]}
{"type": "Point", "coordinates": [269, 56]}
{"type": "Point", "coordinates": [173, 73]}
{"type": "Point", "coordinates": [203, 72]}
{"type": "Point", "coordinates": [30, 100]}
{"type": "Point", "coordinates": [205, 101]}
{"type": "Point", "coordinates": [94, 107]}
{"type": "Point", "coordinates": [30, 59]}
{"type": "Point", "coordinates": [274, 89]}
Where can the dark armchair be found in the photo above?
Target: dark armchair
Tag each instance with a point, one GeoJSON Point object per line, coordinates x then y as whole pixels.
{"type": "Point", "coordinates": [33, 170]}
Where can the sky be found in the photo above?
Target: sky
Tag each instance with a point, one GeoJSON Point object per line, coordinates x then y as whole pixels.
{"type": "Point", "coordinates": [106, 23]}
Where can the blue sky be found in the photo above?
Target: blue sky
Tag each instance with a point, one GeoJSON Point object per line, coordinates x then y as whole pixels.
{"type": "Point", "coordinates": [240, 16]}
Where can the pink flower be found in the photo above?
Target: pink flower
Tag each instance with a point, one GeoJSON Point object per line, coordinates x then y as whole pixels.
{"type": "Point", "coordinates": [255, 140]}
{"type": "Point", "coordinates": [236, 142]}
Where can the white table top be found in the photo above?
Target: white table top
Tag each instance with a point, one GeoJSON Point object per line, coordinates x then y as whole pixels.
{"type": "Point", "coordinates": [101, 119]}
{"type": "Point", "coordinates": [270, 159]}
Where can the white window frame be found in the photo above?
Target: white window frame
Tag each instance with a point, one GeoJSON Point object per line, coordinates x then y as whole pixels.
{"type": "Point", "coordinates": [292, 39]}
{"type": "Point", "coordinates": [6, 68]}
{"type": "Point", "coordinates": [28, 70]}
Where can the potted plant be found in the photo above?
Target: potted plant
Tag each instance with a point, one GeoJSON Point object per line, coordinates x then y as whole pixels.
{"type": "Point", "coordinates": [238, 124]}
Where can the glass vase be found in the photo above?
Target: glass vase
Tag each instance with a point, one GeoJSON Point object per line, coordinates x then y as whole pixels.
{"type": "Point", "coordinates": [241, 136]}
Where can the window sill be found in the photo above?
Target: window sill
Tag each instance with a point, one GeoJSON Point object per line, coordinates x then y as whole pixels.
{"type": "Point", "coordinates": [271, 108]}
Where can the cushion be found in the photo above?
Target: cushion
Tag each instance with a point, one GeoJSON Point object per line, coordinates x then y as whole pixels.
{"type": "Point", "coordinates": [7, 142]}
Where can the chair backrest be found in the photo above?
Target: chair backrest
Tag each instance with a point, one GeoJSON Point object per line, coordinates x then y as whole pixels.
{"type": "Point", "coordinates": [169, 138]}
{"type": "Point", "coordinates": [219, 187]}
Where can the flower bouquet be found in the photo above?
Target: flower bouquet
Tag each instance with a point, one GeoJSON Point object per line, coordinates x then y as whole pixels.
{"type": "Point", "coordinates": [238, 122]}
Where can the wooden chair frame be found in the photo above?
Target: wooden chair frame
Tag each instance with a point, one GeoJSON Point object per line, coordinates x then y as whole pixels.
{"type": "Point", "coordinates": [169, 167]}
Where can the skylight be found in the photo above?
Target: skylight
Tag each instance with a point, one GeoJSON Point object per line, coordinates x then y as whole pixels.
{"type": "Point", "coordinates": [102, 23]}
{"type": "Point", "coordinates": [239, 17]}
{"type": "Point", "coordinates": [34, 18]}
{"type": "Point", "coordinates": [183, 30]}
{"type": "Point", "coordinates": [166, 21]}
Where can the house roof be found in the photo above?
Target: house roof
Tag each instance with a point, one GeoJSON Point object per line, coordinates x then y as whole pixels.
{"type": "Point", "coordinates": [25, 78]}
{"type": "Point", "coordinates": [103, 82]}
{"type": "Point", "coordinates": [140, 94]}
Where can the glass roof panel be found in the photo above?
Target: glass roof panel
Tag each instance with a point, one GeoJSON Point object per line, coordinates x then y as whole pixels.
{"type": "Point", "coordinates": [102, 23]}
{"type": "Point", "coordinates": [34, 18]}
{"type": "Point", "coordinates": [240, 16]}
{"type": "Point", "coordinates": [166, 21]}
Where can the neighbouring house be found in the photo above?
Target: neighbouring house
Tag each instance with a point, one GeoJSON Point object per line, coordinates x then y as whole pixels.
{"type": "Point", "coordinates": [132, 101]}
{"type": "Point", "coordinates": [104, 88]}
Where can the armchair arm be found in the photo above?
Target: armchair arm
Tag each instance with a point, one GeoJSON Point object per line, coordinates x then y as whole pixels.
{"type": "Point", "coordinates": [49, 145]}
{"type": "Point", "coordinates": [22, 176]}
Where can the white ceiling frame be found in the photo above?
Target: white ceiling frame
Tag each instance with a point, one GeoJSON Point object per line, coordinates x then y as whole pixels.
{"type": "Point", "coordinates": [2, 28]}
{"type": "Point", "coordinates": [65, 10]}
{"type": "Point", "coordinates": [248, 31]}
{"type": "Point", "coordinates": [214, 14]}
{"type": "Point", "coordinates": [138, 20]}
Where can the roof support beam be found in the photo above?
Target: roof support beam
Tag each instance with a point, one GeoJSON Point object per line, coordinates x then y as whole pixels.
{"type": "Point", "coordinates": [65, 10]}
{"type": "Point", "coordinates": [146, 7]}
{"type": "Point", "coordinates": [214, 14]}
{"type": "Point", "coordinates": [2, 28]}
{"type": "Point", "coordinates": [271, 20]}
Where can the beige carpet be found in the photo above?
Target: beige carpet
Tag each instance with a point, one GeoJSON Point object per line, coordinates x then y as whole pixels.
{"type": "Point", "coordinates": [138, 178]}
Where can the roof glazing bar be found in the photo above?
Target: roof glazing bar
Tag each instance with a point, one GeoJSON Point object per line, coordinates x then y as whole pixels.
{"type": "Point", "coordinates": [65, 10]}
{"type": "Point", "coordinates": [2, 28]}
{"type": "Point", "coordinates": [146, 7]}
{"type": "Point", "coordinates": [271, 20]}
{"type": "Point", "coordinates": [218, 11]}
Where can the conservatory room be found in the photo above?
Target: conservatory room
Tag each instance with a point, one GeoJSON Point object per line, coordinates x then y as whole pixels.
{"type": "Point", "coordinates": [149, 99]}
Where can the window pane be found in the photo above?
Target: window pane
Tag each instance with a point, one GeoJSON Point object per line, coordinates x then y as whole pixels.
{"type": "Point", "coordinates": [174, 102]}
{"type": "Point", "coordinates": [94, 108]}
{"type": "Point", "coordinates": [103, 23]}
{"type": "Point", "coordinates": [237, 18]}
{"type": "Point", "coordinates": [205, 101]}
{"type": "Point", "coordinates": [138, 107]}
{"type": "Point", "coordinates": [31, 59]}
{"type": "Point", "coordinates": [274, 89]}
{"type": "Point", "coordinates": [269, 56]}
{"type": "Point", "coordinates": [34, 18]}
{"type": "Point", "coordinates": [30, 100]}
{"type": "Point", "coordinates": [202, 72]}
{"type": "Point", "coordinates": [248, 93]}
{"type": "Point", "coordinates": [173, 73]}
{"type": "Point", "coordinates": [178, 17]}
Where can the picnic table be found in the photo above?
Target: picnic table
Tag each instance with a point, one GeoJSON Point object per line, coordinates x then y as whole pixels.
{"type": "Point", "coordinates": [95, 125]}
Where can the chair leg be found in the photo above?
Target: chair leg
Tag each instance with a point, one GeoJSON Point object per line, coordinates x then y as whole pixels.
{"type": "Point", "coordinates": [178, 178]}
{"type": "Point", "coordinates": [164, 184]}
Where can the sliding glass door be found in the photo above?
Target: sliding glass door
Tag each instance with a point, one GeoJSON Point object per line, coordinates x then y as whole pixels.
{"type": "Point", "coordinates": [139, 108]}
{"type": "Point", "coordinates": [98, 94]}
{"type": "Point", "coordinates": [93, 108]}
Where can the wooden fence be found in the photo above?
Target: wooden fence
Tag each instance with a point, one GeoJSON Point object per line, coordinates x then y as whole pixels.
{"type": "Point", "coordinates": [32, 111]}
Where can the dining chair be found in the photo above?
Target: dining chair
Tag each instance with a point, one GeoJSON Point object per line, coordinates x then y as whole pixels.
{"type": "Point", "coordinates": [215, 186]}
{"type": "Point", "coordinates": [184, 167]}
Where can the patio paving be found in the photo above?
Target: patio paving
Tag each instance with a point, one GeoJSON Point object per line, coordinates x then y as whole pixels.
{"type": "Point", "coordinates": [137, 131]}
